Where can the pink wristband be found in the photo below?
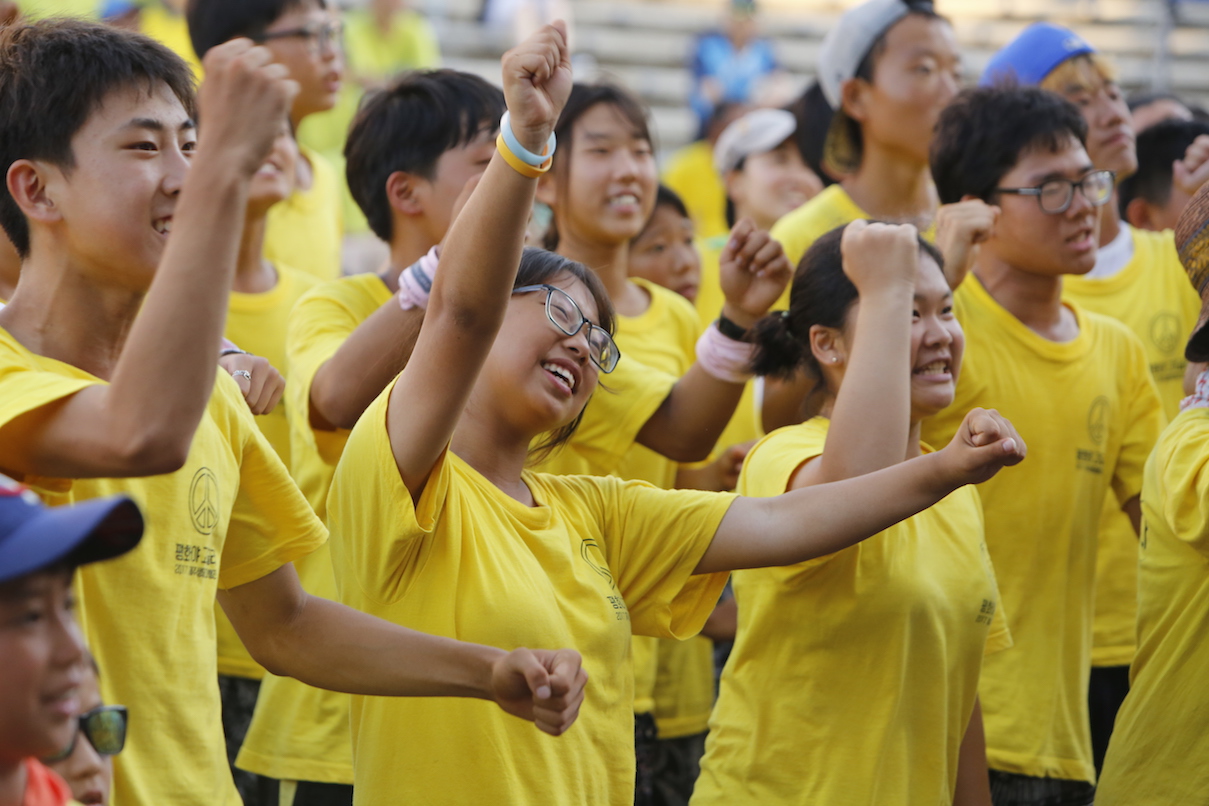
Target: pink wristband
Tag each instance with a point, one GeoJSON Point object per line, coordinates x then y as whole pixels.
{"type": "Point", "coordinates": [1200, 398]}
{"type": "Point", "coordinates": [415, 282]}
{"type": "Point", "coordinates": [724, 358]}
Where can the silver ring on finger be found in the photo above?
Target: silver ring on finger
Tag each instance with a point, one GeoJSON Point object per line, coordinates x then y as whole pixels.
{"type": "Point", "coordinates": [242, 373]}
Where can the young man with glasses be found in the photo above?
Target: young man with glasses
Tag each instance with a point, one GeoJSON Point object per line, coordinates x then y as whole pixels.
{"type": "Point", "coordinates": [306, 230]}
{"type": "Point", "coordinates": [1078, 385]}
{"type": "Point", "coordinates": [1138, 280]}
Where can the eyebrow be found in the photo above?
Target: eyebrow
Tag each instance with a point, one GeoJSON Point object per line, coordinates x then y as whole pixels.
{"type": "Point", "coordinates": [1083, 171]}
{"type": "Point", "coordinates": [158, 125]}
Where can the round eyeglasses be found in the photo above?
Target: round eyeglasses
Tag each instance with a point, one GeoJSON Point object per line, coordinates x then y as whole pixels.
{"type": "Point", "coordinates": [1055, 195]}
{"type": "Point", "coordinates": [568, 318]}
{"type": "Point", "coordinates": [319, 36]}
{"type": "Point", "coordinates": [105, 729]}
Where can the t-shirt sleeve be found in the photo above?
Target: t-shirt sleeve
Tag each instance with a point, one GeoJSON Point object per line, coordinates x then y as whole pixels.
{"type": "Point", "coordinates": [1143, 412]}
{"type": "Point", "coordinates": [23, 390]}
{"type": "Point", "coordinates": [271, 522]}
{"type": "Point", "coordinates": [1183, 469]}
{"type": "Point", "coordinates": [654, 539]}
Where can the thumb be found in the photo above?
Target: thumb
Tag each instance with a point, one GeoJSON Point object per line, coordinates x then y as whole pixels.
{"type": "Point", "coordinates": [535, 674]}
{"type": "Point", "coordinates": [566, 668]}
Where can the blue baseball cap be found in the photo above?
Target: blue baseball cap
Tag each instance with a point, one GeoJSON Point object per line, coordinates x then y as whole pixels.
{"type": "Point", "coordinates": [1033, 55]}
{"type": "Point", "coordinates": [34, 536]}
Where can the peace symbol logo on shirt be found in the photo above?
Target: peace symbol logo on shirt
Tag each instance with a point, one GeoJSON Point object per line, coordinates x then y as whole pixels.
{"type": "Point", "coordinates": [203, 501]}
{"type": "Point", "coordinates": [596, 565]}
{"type": "Point", "coordinates": [1165, 331]}
{"type": "Point", "coordinates": [1097, 419]}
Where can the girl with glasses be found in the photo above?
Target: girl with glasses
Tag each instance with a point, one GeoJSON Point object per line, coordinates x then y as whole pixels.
{"type": "Point", "coordinates": [87, 763]}
{"type": "Point", "coordinates": [437, 522]}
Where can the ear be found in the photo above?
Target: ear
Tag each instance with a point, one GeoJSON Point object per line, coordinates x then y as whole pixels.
{"type": "Point", "coordinates": [405, 194]}
{"type": "Point", "coordinates": [547, 190]}
{"type": "Point", "coordinates": [853, 98]}
{"type": "Point", "coordinates": [27, 183]}
{"type": "Point", "coordinates": [1137, 213]}
{"type": "Point", "coordinates": [827, 346]}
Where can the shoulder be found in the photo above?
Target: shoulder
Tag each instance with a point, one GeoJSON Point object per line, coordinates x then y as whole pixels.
{"type": "Point", "coordinates": [356, 293]}
{"type": "Point", "coordinates": [772, 462]}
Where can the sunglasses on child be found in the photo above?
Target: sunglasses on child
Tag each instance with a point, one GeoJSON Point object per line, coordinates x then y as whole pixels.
{"type": "Point", "coordinates": [105, 729]}
{"type": "Point", "coordinates": [568, 318]}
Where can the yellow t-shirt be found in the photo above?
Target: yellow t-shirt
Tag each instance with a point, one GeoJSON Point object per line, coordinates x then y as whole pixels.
{"type": "Point", "coordinates": [1159, 743]}
{"type": "Point", "coordinates": [171, 30]}
{"type": "Point", "coordinates": [410, 44]}
{"type": "Point", "coordinates": [690, 172]}
{"type": "Point", "coordinates": [1151, 295]}
{"type": "Point", "coordinates": [798, 230]}
{"type": "Point", "coordinates": [230, 516]}
{"type": "Point", "coordinates": [1088, 410]}
{"type": "Point", "coordinates": [300, 733]}
{"type": "Point", "coordinates": [256, 323]}
{"type": "Point", "coordinates": [595, 559]}
{"type": "Point", "coordinates": [306, 230]}
{"type": "Point", "coordinates": [854, 675]}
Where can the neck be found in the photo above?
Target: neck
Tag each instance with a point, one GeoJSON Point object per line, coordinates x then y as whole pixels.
{"type": "Point", "coordinates": [12, 783]}
{"type": "Point", "coordinates": [253, 274]}
{"type": "Point", "coordinates": [497, 453]}
{"type": "Point", "coordinates": [611, 263]}
{"type": "Point", "coordinates": [1110, 221]}
{"type": "Point", "coordinates": [62, 313]}
{"type": "Point", "coordinates": [891, 187]}
{"type": "Point", "coordinates": [1034, 299]}
{"type": "Point", "coordinates": [408, 245]}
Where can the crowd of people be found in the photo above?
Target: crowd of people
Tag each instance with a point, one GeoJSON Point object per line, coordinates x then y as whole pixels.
{"type": "Point", "coordinates": [600, 490]}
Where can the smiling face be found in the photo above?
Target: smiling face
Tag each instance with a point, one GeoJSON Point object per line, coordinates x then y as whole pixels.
{"type": "Point", "coordinates": [608, 190]}
{"type": "Point", "coordinates": [112, 211]}
{"type": "Point", "coordinates": [771, 184]}
{"type": "Point", "coordinates": [664, 253]}
{"type": "Point", "coordinates": [937, 342]}
{"type": "Point", "coordinates": [87, 772]}
{"type": "Point", "coordinates": [43, 656]}
{"type": "Point", "coordinates": [1036, 242]}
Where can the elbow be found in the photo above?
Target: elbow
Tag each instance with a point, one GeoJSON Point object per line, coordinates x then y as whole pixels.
{"type": "Point", "coordinates": [331, 411]}
{"type": "Point", "coordinates": [689, 448]}
{"type": "Point", "coordinates": [152, 453]}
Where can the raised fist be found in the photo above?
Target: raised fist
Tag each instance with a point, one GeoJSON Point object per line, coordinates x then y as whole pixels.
{"type": "Point", "coordinates": [537, 83]}
{"type": "Point", "coordinates": [754, 272]}
{"type": "Point", "coordinates": [960, 228]}
{"type": "Point", "coordinates": [880, 255]}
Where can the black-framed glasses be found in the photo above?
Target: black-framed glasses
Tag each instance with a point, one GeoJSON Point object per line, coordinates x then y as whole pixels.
{"type": "Point", "coordinates": [568, 318]}
{"type": "Point", "coordinates": [1055, 196]}
{"type": "Point", "coordinates": [319, 36]}
{"type": "Point", "coordinates": [105, 729]}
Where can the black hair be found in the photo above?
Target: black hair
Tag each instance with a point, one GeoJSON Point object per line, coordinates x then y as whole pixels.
{"type": "Point", "coordinates": [985, 131]}
{"type": "Point", "coordinates": [212, 22]}
{"type": "Point", "coordinates": [583, 98]}
{"type": "Point", "coordinates": [821, 294]}
{"type": "Point", "coordinates": [813, 115]}
{"type": "Point", "coordinates": [868, 65]}
{"type": "Point", "coordinates": [1158, 147]}
{"type": "Point", "coordinates": [665, 197]}
{"type": "Point", "coordinates": [407, 127]}
{"type": "Point", "coordinates": [539, 266]}
{"type": "Point", "coordinates": [54, 74]}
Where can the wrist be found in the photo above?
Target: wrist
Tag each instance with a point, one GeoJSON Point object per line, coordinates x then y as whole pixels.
{"type": "Point", "coordinates": [483, 660]}
{"type": "Point", "coordinates": [739, 316]}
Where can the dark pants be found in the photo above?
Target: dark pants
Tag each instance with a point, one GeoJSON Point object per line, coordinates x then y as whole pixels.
{"type": "Point", "coordinates": [1105, 693]}
{"type": "Point", "coordinates": [238, 701]}
{"type": "Point", "coordinates": [310, 793]}
{"type": "Point", "coordinates": [677, 763]}
{"type": "Point", "coordinates": [1010, 789]}
{"type": "Point", "coordinates": [645, 735]}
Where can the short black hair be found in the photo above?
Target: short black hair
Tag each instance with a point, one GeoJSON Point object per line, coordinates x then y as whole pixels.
{"type": "Point", "coordinates": [985, 131]}
{"type": "Point", "coordinates": [665, 197]}
{"type": "Point", "coordinates": [407, 127]}
{"type": "Point", "coordinates": [54, 74]}
{"type": "Point", "coordinates": [1158, 147]}
{"type": "Point", "coordinates": [212, 22]}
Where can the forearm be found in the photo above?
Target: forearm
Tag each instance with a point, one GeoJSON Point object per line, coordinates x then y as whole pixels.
{"type": "Point", "coordinates": [973, 786]}
{"type": "Point", "coordinates": [372, 356]}
{"type": "Point", "coordinates": [687, 426]}
{"type": "Point", "coordinates": [815, 521]}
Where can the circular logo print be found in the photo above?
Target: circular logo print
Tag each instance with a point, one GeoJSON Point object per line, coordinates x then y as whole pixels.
{"type": "Point", "coordinates": [597, 566]}
{"type": "Point", "coordinates": [1097, 419]}
{"type": "Point", "coordinates": [203, 501]}
{"type": "Point", "coordinates": [1165, 331]}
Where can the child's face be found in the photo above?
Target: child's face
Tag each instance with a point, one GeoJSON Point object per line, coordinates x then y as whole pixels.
{"type": "Point", "coordinates": [772, 184]}
{"type": "Point", "coordinates": [315, 60]}
{"type": "Point", "coordinates": [1031, 240]}
{"type": "Point", "coordinates": [42, 667]}
{"type": "Point", "coordinates": [112, 211]}
{"type": "Point", "coordinates": [665, 255]}
{"type": "Point", "coordinates": [87, 772]}
{"type": "Point", "coordinates": [275, 180]}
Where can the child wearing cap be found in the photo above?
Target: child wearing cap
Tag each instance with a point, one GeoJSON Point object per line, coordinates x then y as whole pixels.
{"type": "Point", "coordinates": [1137, 280]}
{"type": "Point", "coordinates": [1078, 384]}
{"type": "Point", "coordinates": [1156, 756]}
{"type": "Point", "coordinates": [42, 676]}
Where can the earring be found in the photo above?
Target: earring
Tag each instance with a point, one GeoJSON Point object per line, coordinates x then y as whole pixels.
{"type": "Point", "coordinates": [835, 359]}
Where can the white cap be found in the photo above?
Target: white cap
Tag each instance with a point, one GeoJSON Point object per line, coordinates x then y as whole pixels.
{"type": "Point", "coordinates": [847, 44]}
{"type": "Point", "coordinates": [754, 133]}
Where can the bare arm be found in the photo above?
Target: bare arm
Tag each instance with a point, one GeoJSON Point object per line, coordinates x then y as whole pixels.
{"type": "Point", "coordinates": [1133, 508]}
{"type": "Point", "coordinates": [973, 784]}
{"type": "Point", "coordinates": [819, 520]}
{"type": "Point", "coordinates": [143, 421]}
{"type": "Point", "coordinates": [292, 633]}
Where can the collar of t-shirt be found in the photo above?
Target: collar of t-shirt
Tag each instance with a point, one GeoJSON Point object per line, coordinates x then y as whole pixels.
{"type": "Point", "coordinates": [1113, 256]}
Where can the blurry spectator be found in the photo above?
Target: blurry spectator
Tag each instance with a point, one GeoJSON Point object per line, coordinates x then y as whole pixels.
{"type": "Point", "coordinates": [164, 21]}
{"type": "Point", "coordinates": [524, 17]}
{"type": "Point", "coordinates": [1149, 108]}
{"type": "Point", "coordinates": [814, 116]}
{"type": "Point", "coordinates": [385, 38]}
{"type": "Point", "coordinates": [730, 65]}
{"type": "Point", "coordinates": [690, 173]}
{"type": "Point", "coordinates": [124, 14]}
{"type": "Point", "coordinates": [1149, 199]}
{"type": "Point", "coordinates": [35, 9]}
{"type": "Point", "coordinates": [87, 763]}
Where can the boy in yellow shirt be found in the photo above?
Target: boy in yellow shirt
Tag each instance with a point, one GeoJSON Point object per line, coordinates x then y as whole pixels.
{"type": "Point", "coordinates": [1077, 385]}
{"type": "Point", "coordinates": [108, 385]}
{"type": "Point", "coordinates": [307, 229]}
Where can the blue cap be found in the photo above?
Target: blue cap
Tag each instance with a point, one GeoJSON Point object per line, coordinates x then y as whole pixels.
{"type": "Point", "coordinates": [34, 536]}
{"type": "Point", "coordinates": [1033, 55]}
